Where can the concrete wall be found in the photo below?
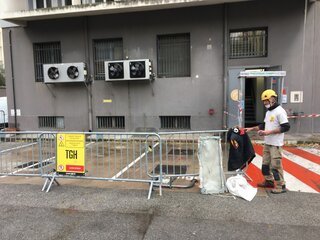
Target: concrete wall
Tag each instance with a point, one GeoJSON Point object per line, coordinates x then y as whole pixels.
{"type": "Point", "coordinates": [292, 45]}
{"type": "Point", "coordinates": [13, 5]}
{"type": "Point", "coordinates": [143, 102]}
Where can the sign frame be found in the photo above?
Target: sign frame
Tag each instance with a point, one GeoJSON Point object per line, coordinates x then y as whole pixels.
{"type": "Point", "coordinates": [70, 157]}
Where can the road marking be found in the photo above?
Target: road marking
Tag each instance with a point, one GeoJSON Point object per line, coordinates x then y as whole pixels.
{"type": "Point", "coordinates": [306, 176]}
{"type": "Point", "coordinates": [292, 183]}
{"type": "Point", "coordinates": [19, 147]}
{"type": "Point", "coordinates": [307, 155]}
{"type": "Point", "coordinates": [132, 163]}
{"type": "Point", "coordinates": [313, 151]}
{"type": "Point", "coordinates": [314, 167]}
{"type": "Point", "coordinates": [31, 166]}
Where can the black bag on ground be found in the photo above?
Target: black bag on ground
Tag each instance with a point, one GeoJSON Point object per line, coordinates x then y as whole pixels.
{"type": "Point", "coordinates": [241, 151]}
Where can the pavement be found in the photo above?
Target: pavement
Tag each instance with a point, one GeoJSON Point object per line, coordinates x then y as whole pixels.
{"type": "Point", "coordinates": [74, 212]}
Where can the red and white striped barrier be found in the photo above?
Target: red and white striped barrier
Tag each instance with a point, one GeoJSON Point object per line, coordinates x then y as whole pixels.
{"type": "Point", "coordinates": [290, 116]}
{"type": "Point", "coordinates": [305, 116]}
{"type": "Point", "coordinates": [230, 114]}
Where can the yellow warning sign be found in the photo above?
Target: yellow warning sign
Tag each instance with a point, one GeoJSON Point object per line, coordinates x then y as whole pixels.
{"type": "Point", "coordinates": [70, 153]}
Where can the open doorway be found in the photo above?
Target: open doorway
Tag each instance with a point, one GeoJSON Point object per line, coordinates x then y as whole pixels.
{"type": "Point", "coordinates": [244, 92]}
{"type": "Point", "coordinates": [254, 112]}
{"type": "Point", "coordinates": [254, 86]}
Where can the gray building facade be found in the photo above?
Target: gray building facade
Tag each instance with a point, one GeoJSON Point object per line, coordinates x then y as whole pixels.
{"type": "Point", "coordinates": [197, 50]}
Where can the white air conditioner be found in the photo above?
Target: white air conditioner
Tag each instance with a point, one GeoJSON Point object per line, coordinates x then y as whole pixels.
{"type": "Point", "coordinates": [136, 69]}
{"type": "Point", "coordinates": [64, 72]}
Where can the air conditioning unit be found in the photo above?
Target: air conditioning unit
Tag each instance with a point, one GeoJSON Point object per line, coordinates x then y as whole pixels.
{"type": "Point", "coordinates": [137, 69]}
{"type": "Point", "coordinates": [65, 72]}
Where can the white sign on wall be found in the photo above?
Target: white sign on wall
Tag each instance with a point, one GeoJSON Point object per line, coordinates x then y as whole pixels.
{"type": "Point", "coordinates": [296, 96]}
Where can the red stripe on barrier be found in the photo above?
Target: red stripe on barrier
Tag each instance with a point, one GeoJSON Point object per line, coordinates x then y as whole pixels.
{"type": "Point", "coordinates": [304, 175]}
{"type": "Point", "coordinates": [304, 116]}
{"type": "Point", "coordinates": [301, 153]}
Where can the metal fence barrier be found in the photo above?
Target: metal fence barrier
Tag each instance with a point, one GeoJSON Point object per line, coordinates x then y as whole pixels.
{"type": "Point", "coordinates": [19, 154]}
{"type": "Point", "coordinates": [158, 159]}
{"type": "Point", "coordinates": [129, 157]}
{"type": "Point", "coordinates": [180, 155]}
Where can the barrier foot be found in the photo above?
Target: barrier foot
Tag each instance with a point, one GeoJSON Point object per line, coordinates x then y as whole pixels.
{"type": "Point", "coordinates": [160, 188]}
{"type": "Point", "coordinates": [50, 184]}
{"type": "Point", "coordinates": [247, 176]}
{"type": "Point", "coordinates": [150, 190]}
{"type": "Point", "coordinates": [240, 172]}
{"type": "Point", "coordinates": [52, 180]}
{"type": "Point", "coordinates": [45, 184]}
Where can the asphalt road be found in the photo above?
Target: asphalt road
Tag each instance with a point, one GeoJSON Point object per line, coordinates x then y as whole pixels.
{"type": "Point", "coordinates": [72, 212]}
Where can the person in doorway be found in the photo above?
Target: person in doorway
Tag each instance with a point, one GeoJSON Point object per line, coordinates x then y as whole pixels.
{"type": "Point", "coordinates": [275, 125]}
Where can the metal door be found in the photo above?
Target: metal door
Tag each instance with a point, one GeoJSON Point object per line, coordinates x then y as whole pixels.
{"type": "Point", "coordinates": [275, 83]}
{"type": "Point", "coordinates": [235, 95]}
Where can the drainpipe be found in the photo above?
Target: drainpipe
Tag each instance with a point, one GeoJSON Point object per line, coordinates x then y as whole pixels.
{"type": "Point", "coordinates": [225, 63]}
{"type": "Point", "coordinates": [89, 87]}
{"type": "Point", "coordinates": [13, 83]}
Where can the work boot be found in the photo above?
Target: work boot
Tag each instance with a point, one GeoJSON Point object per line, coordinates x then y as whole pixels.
{"type": "Point", "coordinates": [279, 189]}
{"type": "Point", "coordinates": [266, 184]}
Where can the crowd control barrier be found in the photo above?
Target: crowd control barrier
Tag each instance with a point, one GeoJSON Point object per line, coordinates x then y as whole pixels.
{"type": "Point", "coordinates": [180, 155]}
{"type": "Point", "coordinates": [126, 157]}
{"type": "Point", "coordinates": [158, 159]}
{"type": "Point", "coordinates": [19, 154]}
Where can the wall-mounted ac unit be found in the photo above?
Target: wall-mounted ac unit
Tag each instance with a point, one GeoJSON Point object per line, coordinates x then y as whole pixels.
{"type": "Point", "coordinates": [137, 69]}
{"type": "Point", "coordinates": [64, 72]}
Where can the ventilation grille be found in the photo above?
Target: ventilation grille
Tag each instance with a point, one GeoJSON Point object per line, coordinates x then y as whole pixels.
{"type": "Point", "coordinates": [114, 122]}
{"type": "Point", "coordinates": [51, 122]}
{"type": "Point", "coordinates": [175, 122]}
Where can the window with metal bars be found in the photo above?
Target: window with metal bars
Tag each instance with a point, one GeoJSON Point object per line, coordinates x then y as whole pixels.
{"type": "Point", "coordinates": [111, 122]}
{"type": "Point", "coordinates": [105, 50]}
{"type": "Point", "coordinates": [248, 43]}
{"type": "Point", "coordinates": [44, 53]}
{"type": "Point", "coordinates": [39, 4]}
{"type": "Point", "coordinates": [175, 122]}
{"type": "Point", "coordinates": [52, 122]}
{"type": "Point", "coordinates": [173, 53]}
{"type": "Point", "coordinates": [42, 4]}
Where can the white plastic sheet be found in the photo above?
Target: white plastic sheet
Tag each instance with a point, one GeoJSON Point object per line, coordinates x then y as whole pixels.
{"type": "Point", "coordinates": [212, 180]}
{"type": "Point", "coordinates": [238, 186]}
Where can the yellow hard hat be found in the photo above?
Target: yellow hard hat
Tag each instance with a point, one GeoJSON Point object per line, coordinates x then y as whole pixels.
{"type": "Point", "coordinates": [267, 94]}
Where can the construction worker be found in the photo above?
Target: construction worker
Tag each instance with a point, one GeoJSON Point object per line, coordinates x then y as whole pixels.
{"type": "Point", "coordinates": [273, 129]}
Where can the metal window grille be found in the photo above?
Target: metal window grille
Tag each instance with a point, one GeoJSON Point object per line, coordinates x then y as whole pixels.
{"type": "Point", "coordinates": [106, 50]}
{"type": "Point", "coordinates": [113, 122]}
{"type": "Point", "coordinates": [51, 122]}
{"type": "Point", "coordinates": [49, 3]}
{"type": "Point", "coordinates": [44, 53]}
{"type": "Point", "coordinates": [175, 122]}
{"type": "Point", "coordinates": [39, 4]}
{"type": "Point", "coordinates": [173, 55]}
{"type": "Point", "coordinates": [250, 43]}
